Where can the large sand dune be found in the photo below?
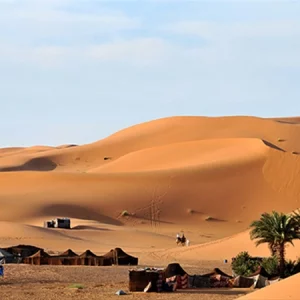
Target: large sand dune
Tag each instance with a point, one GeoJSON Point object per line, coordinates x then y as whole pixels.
{"type": "Point", "coordinates": [206, 176]}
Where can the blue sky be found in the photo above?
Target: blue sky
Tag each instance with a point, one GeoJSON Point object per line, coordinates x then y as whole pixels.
{"type": "Point", "coordinates": [75, 71]}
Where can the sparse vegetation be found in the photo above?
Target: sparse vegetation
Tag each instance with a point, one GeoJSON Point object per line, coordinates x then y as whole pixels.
{"type": "Point", "coordinates": [209, 218]}
{"type": "Point", "coordinates": [280, 140]}
{"type": "Point", "coordinates": [76, 286]}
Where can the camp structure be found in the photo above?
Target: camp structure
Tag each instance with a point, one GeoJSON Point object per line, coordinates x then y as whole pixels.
{"type": "Point", "coordinates": [139, 279]}
{"type": "Point", "coordinates": [174, 269]}
{"type": "Point", "coordinates": [58, 223]}
{"type": "Point", "coordinates": [157, 280]}
{"type": "Point", "coordinates": [21, 251]}
{"type": "Point", "coordinates": [39, 258]}
{"type": "Point", "coordinates": [88, 258]}
{"type": "Point", "coordinates": [66, 258]}
{"type": "Point", "coordinates": [118, 257]}
{"type": "Point", "coordinates": [6, 257]}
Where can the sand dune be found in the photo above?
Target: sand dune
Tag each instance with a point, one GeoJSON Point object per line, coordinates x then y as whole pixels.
{"type": "Point", "coordinates": [208, 177]}
{"type": "Point", "coordinates": [225, 248]}
{"type": "Point", "coordinates": [285, 289]}
{"type": "Point", "coordinates": [165, 132]}
{"type": "Point", "coordinates": [209, 154]}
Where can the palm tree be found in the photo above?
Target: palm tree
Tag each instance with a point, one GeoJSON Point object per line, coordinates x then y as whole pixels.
{"type": "Point", "coordinates": [276, 229]}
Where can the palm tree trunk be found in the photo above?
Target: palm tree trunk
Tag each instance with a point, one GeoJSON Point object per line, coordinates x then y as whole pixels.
{"type": "Point", "coordinates": [282, 260]}
{"type": "Point", "coordinates": [273, 249]}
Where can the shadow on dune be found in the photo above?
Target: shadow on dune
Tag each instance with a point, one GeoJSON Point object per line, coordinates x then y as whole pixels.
{"type": "Point", "coordinates": [66, 146]}
{"type": "Point", "coordinates": [35, 164]}
{"type": "Point", "coordinates": [210, 219]}
{"type": "Point", "coordinates": [272, 145]}
{"type": "Point", "coordinates": [287, 122]}
{"type": "Point", "coordinates": [84, 227]}
{"type": "Point", "coordinates": [77, 212]}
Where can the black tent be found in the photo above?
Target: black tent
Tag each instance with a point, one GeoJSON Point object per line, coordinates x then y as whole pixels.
{"type": "Point", "coordinates": [6, 257]}
{"type": "Point", "coordinates": [118, 257]}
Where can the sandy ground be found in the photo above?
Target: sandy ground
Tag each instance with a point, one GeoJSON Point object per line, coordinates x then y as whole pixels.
{"type": "Point", "coordinates": [57, 282]}
{"type": "Point", "coordinates": [206, 177]}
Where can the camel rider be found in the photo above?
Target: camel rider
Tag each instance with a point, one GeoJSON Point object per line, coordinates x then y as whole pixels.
{"type": "Point", "coordinates": [183, 239]}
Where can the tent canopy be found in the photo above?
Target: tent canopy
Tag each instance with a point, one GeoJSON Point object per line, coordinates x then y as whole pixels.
{"type": "Point", "coordinates": [4, 253]}
{"type": "Point", "coordinates": [40, 253]}
{"type": "Point", "coordinates": [68, 253]}
{"type": "Point", "coordinates": [119, 257]}
{"type": "Point", "coordinates": [88, 253]}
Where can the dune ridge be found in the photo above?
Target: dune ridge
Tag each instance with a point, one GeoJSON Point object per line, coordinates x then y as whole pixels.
{"type": "Point", "coordinates": [206, 176]}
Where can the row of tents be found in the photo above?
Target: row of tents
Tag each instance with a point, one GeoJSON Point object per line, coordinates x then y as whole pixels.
{"type": "Point", "coordinates": [174, 277]}
{"type": "Point", "coordinates": [28, 254]}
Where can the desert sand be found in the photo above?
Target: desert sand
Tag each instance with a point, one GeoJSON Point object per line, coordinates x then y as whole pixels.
{"type": "Point", "coordinates": [208, 177]}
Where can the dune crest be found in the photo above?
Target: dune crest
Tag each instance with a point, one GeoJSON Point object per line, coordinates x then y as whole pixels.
{"type": "Point", "coordinates": [207, 176]}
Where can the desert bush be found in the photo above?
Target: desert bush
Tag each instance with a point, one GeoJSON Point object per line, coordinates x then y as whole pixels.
{"type": "Point", "coordinates": [270, 264]}
{"type": "Point", "coordinates": [244, 264]}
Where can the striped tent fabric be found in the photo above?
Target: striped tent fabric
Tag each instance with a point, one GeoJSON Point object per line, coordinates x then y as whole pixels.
{"type": "Point", "coordinates": [159, 283]}
{"type": "Point", "coordinates": [171, 279]}
{"type": "Point", "coordinates": [182, 281]}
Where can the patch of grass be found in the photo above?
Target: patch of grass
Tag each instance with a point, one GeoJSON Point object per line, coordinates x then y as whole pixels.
{"type": "Point", "coordinates": [209, 218]}
{"type": "Point", "coordinates": [76, 286]}
{"type": "Point", "coordinates": [280, 140]}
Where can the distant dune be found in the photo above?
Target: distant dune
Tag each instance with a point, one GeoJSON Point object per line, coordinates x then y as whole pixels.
{"type": "Point", "coordinates": [207, 176]}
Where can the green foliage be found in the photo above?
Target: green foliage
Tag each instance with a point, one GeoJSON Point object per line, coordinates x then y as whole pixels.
{"type": "Point", "coordinates": [270, 264]}
{"type": "Point", "coordinates": [244, 264]}
{"type": "Point", "coordinates": [291, 267]}
{"type": "Point", "coordinates": [276, 229]}
{"type": "Point", "coordinates": [76, 286]}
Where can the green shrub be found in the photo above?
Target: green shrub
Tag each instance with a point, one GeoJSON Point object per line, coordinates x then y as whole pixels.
{"type": "Point", "coordinates": [76, 286]}
{"type": "Point", "coordinates": [271, 264]}
{"type": "Point", "coordinates": [244, 264]}
{"type": "Point", "coordinates": [292, 267]}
